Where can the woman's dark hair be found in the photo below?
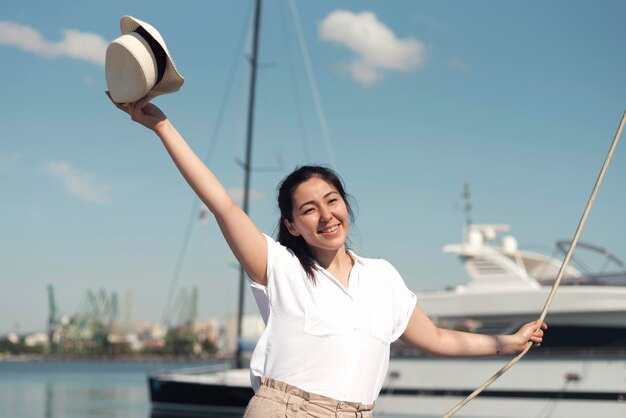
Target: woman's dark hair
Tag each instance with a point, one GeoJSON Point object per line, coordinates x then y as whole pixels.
{"type": "Point", "coordinates": [285, 203]}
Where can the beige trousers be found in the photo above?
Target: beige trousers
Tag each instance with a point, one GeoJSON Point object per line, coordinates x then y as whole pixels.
{"type": "Point", "coordinates": [275, 399]}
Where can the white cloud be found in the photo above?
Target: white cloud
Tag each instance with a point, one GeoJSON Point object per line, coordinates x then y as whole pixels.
{"type": "Point", "coordinates": [376, 47]}
{"type": "Point", "coordinates": [237, 195]}
{"type": "Point", "coordinates": [363, 72]}
{"type": "Point", "coordinates": [459, 65]}
{"type": "Point", "coordinates": [77, 183]}
{"type": "Point", "coordinates": [84, 46]}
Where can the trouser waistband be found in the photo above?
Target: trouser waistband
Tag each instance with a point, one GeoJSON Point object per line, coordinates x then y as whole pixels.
{"type": "Point", "coordinates": [299, 399]}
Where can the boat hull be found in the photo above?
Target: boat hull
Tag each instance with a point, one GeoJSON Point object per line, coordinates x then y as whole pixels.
{"type": "Point", "coordinates": [566, 386]}
{"type": "Point", "coordinates": [210, 400]}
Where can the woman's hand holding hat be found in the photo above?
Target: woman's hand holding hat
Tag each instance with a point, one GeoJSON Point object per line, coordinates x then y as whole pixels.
{"type": "Point", "coordinates": [142, 111]}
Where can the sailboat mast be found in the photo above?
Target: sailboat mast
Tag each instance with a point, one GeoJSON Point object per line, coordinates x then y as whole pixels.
{"type": "Point", "coordinates": [248, 165]}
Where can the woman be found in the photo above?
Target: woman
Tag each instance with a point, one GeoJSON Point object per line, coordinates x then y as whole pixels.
{"type": "Point", "coordinates": [330, 315]}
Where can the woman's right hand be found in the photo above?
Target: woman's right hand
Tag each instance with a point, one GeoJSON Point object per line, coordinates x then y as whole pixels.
{"type": "Point", "coordinates": [142, 112]}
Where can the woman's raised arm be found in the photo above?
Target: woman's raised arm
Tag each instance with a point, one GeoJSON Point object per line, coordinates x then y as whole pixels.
{"type": "Point", "coordinates": [245, 240]}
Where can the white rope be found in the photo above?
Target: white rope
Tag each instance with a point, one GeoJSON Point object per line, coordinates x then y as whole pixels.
{"type": "Point", "coordinates": [557, 282]}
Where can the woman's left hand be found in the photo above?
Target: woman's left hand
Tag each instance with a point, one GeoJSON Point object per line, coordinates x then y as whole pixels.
{"type": "Point", "coordinates": [516, 343]}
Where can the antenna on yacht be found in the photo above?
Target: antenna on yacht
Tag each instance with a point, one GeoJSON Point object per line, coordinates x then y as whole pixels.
{"type": "Point", "coordinates": [467, 206]}
{"type": "Point", "coordinates": [467, 209]}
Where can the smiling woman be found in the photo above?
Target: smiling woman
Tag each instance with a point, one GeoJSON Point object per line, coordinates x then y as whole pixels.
{"type": "Point", "coordinates": [330, 315]}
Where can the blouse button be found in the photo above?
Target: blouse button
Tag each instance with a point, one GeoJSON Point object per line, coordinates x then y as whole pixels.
{"type": "Point", "coordinates": [342, 404]}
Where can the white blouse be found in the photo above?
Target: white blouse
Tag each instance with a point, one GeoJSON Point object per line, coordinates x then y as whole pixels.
{"type": "Point", "coordinates": [322, 337]}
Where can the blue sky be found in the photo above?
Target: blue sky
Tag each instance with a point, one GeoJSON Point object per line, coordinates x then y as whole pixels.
{"type": "Point", "coordinates": [519, 99]}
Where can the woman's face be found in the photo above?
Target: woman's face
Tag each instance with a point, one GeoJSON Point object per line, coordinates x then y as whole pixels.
{"type": "Point", "coordinates": [320, 215]}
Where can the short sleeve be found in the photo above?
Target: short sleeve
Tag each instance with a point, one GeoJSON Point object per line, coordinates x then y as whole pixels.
{"type": "Point", "coordinates": [281, 264]}
{"type": "Point", "coordinates": [403, 301]}
{"type": "Point", "coordinates": [260, 292]}
{"type": "Point", "coordinates": [260, 297]}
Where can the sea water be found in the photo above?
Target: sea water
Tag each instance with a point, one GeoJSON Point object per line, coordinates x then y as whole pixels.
{"type": "Point", "coordinates": [80, 389]}
{"type": "Point", "coordinates": [36, 389]}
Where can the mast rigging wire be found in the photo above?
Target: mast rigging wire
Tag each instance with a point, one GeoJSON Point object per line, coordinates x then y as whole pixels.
{"type": "Point", "coordinates": [294, 85]}
{"type": "Point", "coordinates": [313, 84]}
{"type": "Point", "coordinates": [209, 155]}
{"type": "Point", "coordinates": [559, 276]}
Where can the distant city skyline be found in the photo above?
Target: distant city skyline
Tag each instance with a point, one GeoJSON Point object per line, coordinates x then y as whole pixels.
{"type": "Point", "coordinates": [408, 100]}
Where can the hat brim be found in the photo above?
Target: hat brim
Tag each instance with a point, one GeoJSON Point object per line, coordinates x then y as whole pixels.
{"type": "Point", "coordinates": [172, 81]}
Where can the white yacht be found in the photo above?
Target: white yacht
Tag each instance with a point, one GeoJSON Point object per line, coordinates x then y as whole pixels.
{"type": "Point", "coordinates": [579, 371]}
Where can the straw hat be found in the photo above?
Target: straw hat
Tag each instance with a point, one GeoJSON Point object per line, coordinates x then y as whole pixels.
{"type": "Point", "coordinates": [138, 63]}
